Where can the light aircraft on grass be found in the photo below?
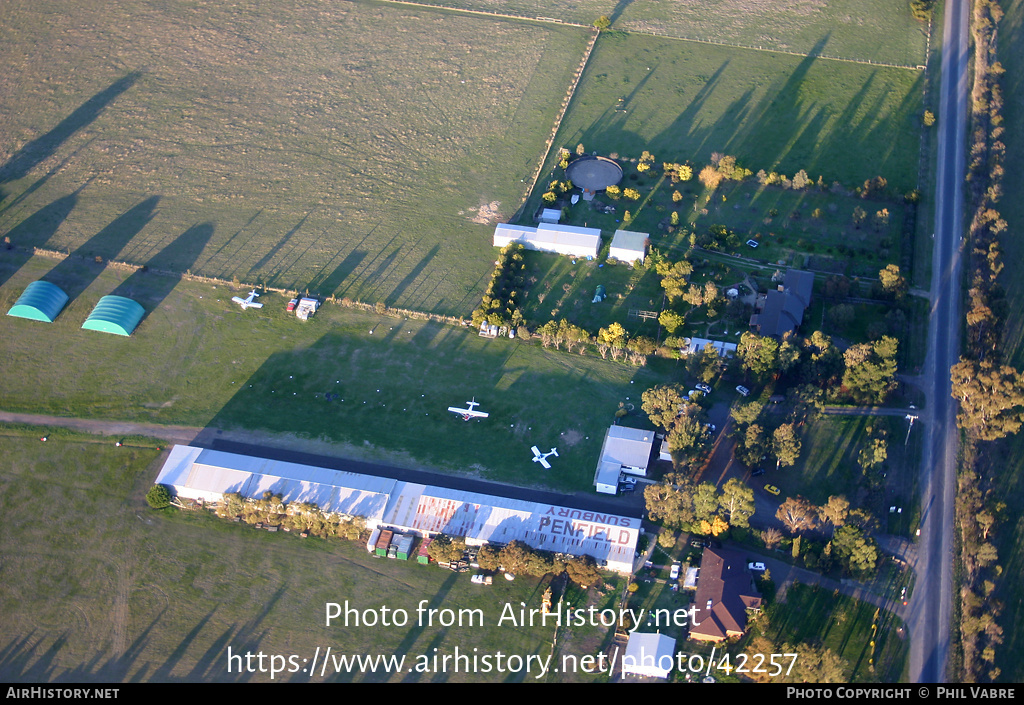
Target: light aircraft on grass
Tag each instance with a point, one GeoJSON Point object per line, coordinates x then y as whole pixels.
{"type": "Point", "coordinates": [248, 302]}
{"type": "Point", "coordinates": [541, 458]}
{"type": "Point", "coordinates": [469, 412]}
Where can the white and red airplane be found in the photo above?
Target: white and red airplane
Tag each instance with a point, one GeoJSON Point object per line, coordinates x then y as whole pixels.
{"type": "Point", "coordinates": [469, 412]}
{"type": "Point", "coordinates": [248, 302]}
{"type": "Point", "coordinates": [541, 458]}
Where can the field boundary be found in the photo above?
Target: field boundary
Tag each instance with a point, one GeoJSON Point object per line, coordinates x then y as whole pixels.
{"type": "Point", "coordinates": [735, 45]}
{"type": "Point", "coordinates": [345, 301]}
{"type": "Point", "coordinates": [558, 123]}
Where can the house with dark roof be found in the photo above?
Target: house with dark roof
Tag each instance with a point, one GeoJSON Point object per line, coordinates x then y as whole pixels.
{"type": "Point", "coordinates": [725, 591]}
{"type": "Point", "coordinates": [781, 310]}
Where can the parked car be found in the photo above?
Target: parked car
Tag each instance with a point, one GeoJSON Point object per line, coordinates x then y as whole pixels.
{"type": "Point", "coordinates": [627, 489]}
{"type": "Point", "coordinates": [772, 489]}
{"type": "Point", "coordinates": [292, 304]}
{"type": "Point", "coordinates": [706, 388]}
{"type": "Point", "coordinates": [758, 472]}
{"type": "Point", "coordinates": [743, 390]}
{"type": "Point", "coordinates": [756, 566]}
{"type": "Point", "coordinates": [674, 573]}
{"type": "Point", "coordinates": [752, 243]}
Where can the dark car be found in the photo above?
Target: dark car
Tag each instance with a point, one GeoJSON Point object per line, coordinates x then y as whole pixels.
{"type": "Point", "coordinates": [759, 471]}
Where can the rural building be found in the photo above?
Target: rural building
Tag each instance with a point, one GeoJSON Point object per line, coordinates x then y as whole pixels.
{"type": "Point", "coordinates": [41, 301]}
{"type": "Point", "coordinates": [208, 475]}
{"type": "Point", "coordinates": [481, 518]}
{"type": "Point", "coordinates": [781, 310]}
{"type": "Point", "coordinates": [115, 314]}
{"type": "Point", "coordinates": [697, 345]}
{"type": "Point", "coordinates": [551, 237]}
{"type": "Point", "coordinates": [625, 450]}
{"type": "Point", "coordinates": [650, 655]}
{"type": "Point", "coordinates": [404, 507]}
{"type": "Point", "coordinates": [725, 591]}
{"type": "Point", "coordinates": [550, 215]}
{"type": "Point", "coordinates": [628, 246]}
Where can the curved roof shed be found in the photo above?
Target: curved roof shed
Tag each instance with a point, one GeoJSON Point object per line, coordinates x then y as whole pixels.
{"type": "Point", "coordinates": [41, 301]}
{"type": "Point", "coordinates": [115, 314]}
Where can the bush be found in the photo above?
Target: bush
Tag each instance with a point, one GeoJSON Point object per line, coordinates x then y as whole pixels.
{"type": "Point", "coordinates": [158, 497]}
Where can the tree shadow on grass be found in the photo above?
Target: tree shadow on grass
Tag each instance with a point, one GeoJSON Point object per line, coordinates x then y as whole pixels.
{"type": "Point", "coordinates": [35, 231]}
{"type": "Point", "coordinates": [43, 147]}
{"type": "Point", "coordinates": [76, 272]}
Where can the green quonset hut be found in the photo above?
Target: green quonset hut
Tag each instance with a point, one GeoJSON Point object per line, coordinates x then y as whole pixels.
{"type": "Point", "coordinates": [115, 314]}
{"type": "Point", "coordinates": [41, 301]}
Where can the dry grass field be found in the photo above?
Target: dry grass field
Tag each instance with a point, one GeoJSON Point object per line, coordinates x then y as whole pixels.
{"type": "Point", "coordinates": [351, 148]}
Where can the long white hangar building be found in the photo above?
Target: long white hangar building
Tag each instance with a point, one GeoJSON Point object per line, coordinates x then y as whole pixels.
{"type": "Point", "coordinates": [426, 510]}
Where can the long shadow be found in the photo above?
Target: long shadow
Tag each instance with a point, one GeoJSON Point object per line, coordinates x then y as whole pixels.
{"type": "Point", "coordinates": [34, 231]}
{"type": "Point", "coordinates": [148, 288]}
{"type": "Point", "coordinates": [75, 273]}
{"type": "Point", "coordinates": [272, 252]}
{"type": "Point", "coordinates": [43, 147]}
{"type": "Point", "coordinates": [399, 290]}
{"type": "Point", "coordinates": [326, 285]}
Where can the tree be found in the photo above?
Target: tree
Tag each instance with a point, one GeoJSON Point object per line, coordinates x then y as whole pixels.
{"type": "Point", "coordinates": [771, 537]}
{"type": "Point", "coordinates": [445, 549]}
{"type": "Point", "coordinates": [710, 177]}
{"type": "Point", "coordinates": [835, 511]}
{"type": "Point", "coordinates": [991, 398]}
{"type": "Point", "coordinates": [737, 502]}
{"type": "Point", "coordinates": [662, 404]}
{"type": "Point", "coordinates": [489, 557]}
{"type": "Point", "coordinates": [893, 283]}
{"type": "Point", "coordinates": [687, 435]}
{"type": "Point", "coordinates": [786, 445]}
{"type": "Point", "coordinates": [758, 354]}
{"type": "Point", "coordinates": [631, 193]}
{"type": "Point", "coordinates": [871, 370]}
{"type": "Point", "coordinates": [671, 505]}
{"type": "Point", "coordinates": [602, 23]}
{"type": "Point", "coordinates": [858, 553]}
{"type": "Point", "coordinates": [674, 277]}
{"type": "Point", "coordinates": [158, 497]}
{"type": "Point", "coordinates": [705, 501]}
{"type": "Point", "coordinates": [515, 557]}
{"type": "Point", "coordinates": [752, 445]}
{"type": "Point", "coordinates": [798, 514]}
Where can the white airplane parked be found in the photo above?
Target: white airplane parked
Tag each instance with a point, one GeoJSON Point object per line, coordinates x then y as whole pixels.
{"type": "Point", "coordinates": [541, 458]}
{"type": "Point", "coordinates": [248, 302]}
{"type": "Point", "coordinates": [469, 412]}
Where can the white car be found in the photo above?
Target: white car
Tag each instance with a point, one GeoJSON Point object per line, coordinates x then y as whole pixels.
{"type": "Point", "coordinates": [752, 244]}
{"type": "Point", "coordinates": [743, 390]}
{"type": "Point", "coordinates": [674, 573]}
{"type": "Point", "coordinates": [706, 388]}
{"type": "Point", "coordinates": [759, 567]}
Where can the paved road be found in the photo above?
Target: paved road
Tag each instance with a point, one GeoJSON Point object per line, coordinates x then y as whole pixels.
{"type": "Point", "coordinates": [930, 608]}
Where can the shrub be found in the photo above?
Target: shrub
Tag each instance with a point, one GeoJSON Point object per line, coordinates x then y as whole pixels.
{"type": "Point", "coordinates": [158, 497]}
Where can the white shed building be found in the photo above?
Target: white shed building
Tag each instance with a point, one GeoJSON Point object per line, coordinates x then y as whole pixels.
{"type": "Point", "coordinates": [551, 237]}
{"type": "Point", "coordinates": [628, 246]}
{"type": "Point", "coordinates": [408, 507]}
{"type": "Point", "coordinates": [650, 655]}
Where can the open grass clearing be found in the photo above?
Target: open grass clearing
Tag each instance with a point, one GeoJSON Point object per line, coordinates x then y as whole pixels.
{"type": "Point", "coordinates": [865, 30]}
{"type": "Point", "coordinates": [843, 625]}
{"type": "Point", "coordinates": [100, 588]}
{"type": "Point", "coordinates": [299, 146]}
{"type": "Point", "coordinates": [199, 360]}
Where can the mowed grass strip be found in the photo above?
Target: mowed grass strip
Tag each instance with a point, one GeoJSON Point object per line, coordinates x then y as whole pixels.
{"type": "Point", "coordinates": [197, 359]}
{"type": "Point", "coordinates": [683, 101]}
{"type": "Point", "coordinates": [100, 588]}
{"type": "Point", "coordinates": [860, 30]}
{"type": "Point", "coordinates": [362, 149]}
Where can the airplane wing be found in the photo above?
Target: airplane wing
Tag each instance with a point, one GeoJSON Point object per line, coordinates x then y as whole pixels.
{"type": "Point", "coordinates": [544, 464]}
{"type": "Point", "coordinates": [253, 304]}
{"type": "Point", "coordinates": [536, 450]}
{"type": "Point", "coordinates": [238, 300]}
